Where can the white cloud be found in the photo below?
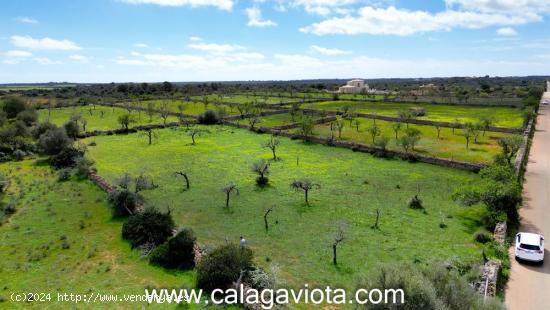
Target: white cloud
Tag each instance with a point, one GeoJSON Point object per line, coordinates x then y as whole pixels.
{"type": "Point", "coordinates": [323, 7]}
{"type": "Point", "coordinates": [195, 39]}
{"type": "Point", "coordinates": [393, 21]}
{"type": "Point", "coordinates": [328, 51]}
{"type": "Point", "coordinates": [255, 18]}
{"type": "Point", "coordinates": [46, 61]}
{"type": "Point", "coordinates": [141, 45]}
{"type": "Point", "coordinates": [80, 58]}
{"type": "Point", "coordinates": [220, 4]}
{"type": "Point", "coordinates": [14, 56]}
{"type": "Point", "coordinates": [215, 48]}
{"type": "Point", "coordinates": [507, 32]}
{"type": "Point", "coordinates": [26, 20]}
{"type": "Point", "coordinates": [509, 6]}
{"type": "Point", "coordinates": [43, 44]}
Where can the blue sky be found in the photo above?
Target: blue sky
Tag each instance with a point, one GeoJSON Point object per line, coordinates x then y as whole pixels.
{"type": "Point", "coordinates": [220, 40]}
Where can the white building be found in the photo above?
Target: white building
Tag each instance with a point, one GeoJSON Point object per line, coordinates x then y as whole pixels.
{"type": "Point", "coordinates": [354, 87]}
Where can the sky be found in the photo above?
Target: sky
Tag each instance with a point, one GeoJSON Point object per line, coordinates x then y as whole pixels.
{"type": "Point", "coordinates": [227, 40]}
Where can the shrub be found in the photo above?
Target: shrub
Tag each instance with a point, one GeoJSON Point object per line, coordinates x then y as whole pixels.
{"type": "Point", "coordinates": [260, 280]}
{"type": "Point", "coordinates": [28, 117]}
{"type": "Point", "coordinates": [123, 202]}
{"type": "Point", "coordinates": [416, 203]}
{"type": "Point", "coordinates": [178, 252]}
{"type": "Point", "coordinates": [150, 226]}
{"type": "Point", "coordinates": [53, 141]}
{"type": "Point", "coordinates": [418, 111]}
{"type": "Point", "coordinates": [18, 154]}
{"type": "Point", "coordinates": [41, 128]}
{"type": "Point", "coordinates": [83, 166]}
{"type": "Point", "coordinates": [64, 174]}
{"type": "Point", "coordinates": [482, 236]}
{"type": "Point", "coordinates": [208, 118]}
{"type": "Point", "coordinates": [223, 266]}
{"type": "Point", "coordinates": [72, 129]}
{"type": "Point", "coordinates": [4, 182]}
{"type": "Point", "coordinates": [68, 157]}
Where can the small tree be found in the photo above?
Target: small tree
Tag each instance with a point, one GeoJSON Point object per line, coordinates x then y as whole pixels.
{"type": "Point", "coordinates": [228, 190]}
{"type": "Point", "coordinates": [438, 128]}
{"type": "Point", "coordinates": [177, 252]}
{"type": "Point", "coordinates": [223, 266]}
{"type": "Point", "coordinates": [54, 141]}
{"type": "Point", "coordinates": [377, 221]}
{"type": "Point", "coordinates": [339, 236]}
{"type": "Point", "coordinates": [410, 139]}
{"type": "Point", "coordinates": [486, 122]}
{"type": "Point", "coordinates": [125, 120]}
{"type": "Point", "coordinates": [382, 142]}
{"type": "Point", "coordinates": [150, 110]}
{"type": "Point", "coordinates": [253, 120]}
{"type": "Point", "coordinates": [185, 176]}
{"type": "Point", "coordinates": [339, 124]}
{"type": "Point", "coordinates": [374, 132]}
{"type": "Point", "coordinates": [150, 134]}
{"type": "Point", "coordinates": [261, 168]}
{"type": "Point", "coordinates": [195, 132]}
{"type": "Point", "coordinates": [405, 116]}
{"type": "Point", "coordinates": [468, 132]}
{"type": "Point", "coordinates": [306, 125]}
{"type": "Point", "coordinates": [396, 126]}
{"type": "Point", "coordinates": [272, 144]}
{"type": "Point", "coordinates": [510, 146]}
{"type": "Point", "coordinates": [72, 129]}
{"type": "Point", "coordinates": [305, 186]}
{"type": "Point", "coordinates": [123, 202]}
{"type": "Point", "coordinates": [266, 223]}
{"type": "Point", "coordinates": [164, 111]}
{"type": "Point", "coordinates": [356, 124]}
{"type": "Point", "coordinates": [148, 227]}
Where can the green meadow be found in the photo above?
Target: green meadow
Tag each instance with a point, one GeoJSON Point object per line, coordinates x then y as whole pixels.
{"type": "Point", "coordinates": [352, 187]}
{"type": "Point", "coordinates": [503, 116]}
{"type": "Point", "coordinates": [98, 117]}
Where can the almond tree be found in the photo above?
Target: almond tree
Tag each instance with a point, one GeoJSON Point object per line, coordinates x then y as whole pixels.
{"type": "Point", "coordinates": [228, 189]}
{"type": "Point", "coordinates": [195, 132]}
{"type": "Point", "coordinates": [272, 144]}
{"type": "Point", "coordinates": [183, 173]}
{"type": "Point", "coordinates": [305, 186]}
{"type": "Point", "coordinates": [339, 236]}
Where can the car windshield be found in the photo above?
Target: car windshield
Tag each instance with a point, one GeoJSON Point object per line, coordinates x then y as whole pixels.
{"type": "Point", "coordinates": [529, 247]}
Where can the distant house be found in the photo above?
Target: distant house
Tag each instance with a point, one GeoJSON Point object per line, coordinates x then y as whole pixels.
{"type": "Point", "coordinates": [354, 87]}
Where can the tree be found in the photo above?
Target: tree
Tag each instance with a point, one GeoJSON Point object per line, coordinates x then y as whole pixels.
{"type": "Point", "coordinates": [456, 124]}
{"type": "Point", "coordinates": [306, 125]}
{"type": "Point", "coordinates": [72, 129]}
{"type": "Point", "coordinates": [396, 126]}
{"type": "Point", "coordinates": [209, 118]}
{"type": "Point", "coordinates": [13, 106]}
{"type": "Point", "coordinates": [438, 128]}
{"type": "Point", "coordinates": [29, 116]}
{"type": "Point", "coordinates": [357, 123]}
{"type": "Point", "coordinates": [272, 144]}
{"type": "Point", "coordinates": [374, 131]}
{"type": "Point", "coordinates": [125, 120]}
{"type": "Point", "coordinates": [468, 132]}
{"type": "Point", "coordinates": [485, 123]}
{"type": "Point", "coordinates": [305, 186]}
{"type": "Point", "coordinates": [178, 252]}
{"type": "Point", "coordinates": [266, 223]}
{"type": "Point", "coordinates": [84, 123]}
{"type": "Point", "coordinates": [150, 110]}
{"type": "Point", "coordinates": [405, 116]}
{"type": "Point", "coordinates": [124, 202]}
{"type": "Point", "coordinates": [164, 111]}
{"type": "Point", "coordinates": [339, 236]}
{"type": "Point", "coordinates": [382, 142]}
{"type": "Point", "coordinates": [410, 139]}
{"type": "Point", "coordinates": [148, 227]}
{"type": "Point", "coordinates": [150, 134]}
{"type": "Point", "coordinates": [510, 146]}
{"type": "Point", "coordinates": [228, 190]}
{"type": "Point", "coordinates": [195, 132]}
{"type": "Point", "coordinates": [183, 173]}
{"type": "Point", "coordinates": [261, 168]}
{"type": "Point", "coordinates": [339, 124]}
{"type": "Point", "coordinates": [223, 266]}
{"type": "Point", "coordinates": [253, 120]}
{"type": "Point", "coordinates": [377, 221]}
{"type": "Point", "coordinates": [53, 141]}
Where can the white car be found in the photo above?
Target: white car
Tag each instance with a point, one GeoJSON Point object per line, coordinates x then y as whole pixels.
{"type": "Point", "coordinates": [530, 247]}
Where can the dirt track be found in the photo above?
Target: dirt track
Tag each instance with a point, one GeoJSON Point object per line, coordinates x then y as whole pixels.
{"type": "Point", "coordinates": [529, 285]}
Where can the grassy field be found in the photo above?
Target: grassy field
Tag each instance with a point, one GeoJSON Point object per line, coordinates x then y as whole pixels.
{"type": "Point", "coordinates": [353, 186]}
{"type": "Point", "coordinates": [325, 95]}
{"type": "Point", "coordinates": [96, 120]}
{"type": "Point", "coordinates": [63, 239]}
{"type": "Point", "coordinates": [250, 98]}
{"type": "Point", "coordinates": [449, 145]}
{"type": "Point", "coordinates": [272, 120]}
{"type": "Point", "coordinates": [191, 108]}
{"type": "Point", "coordinates": [503, 116]}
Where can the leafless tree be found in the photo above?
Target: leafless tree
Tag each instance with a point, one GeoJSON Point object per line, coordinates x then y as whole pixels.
{"type": "Point", "coordinates": [195, 132]}
{"type": "Point", "coordinates": [339, 236]}
{"type": "Point", "coordinates": [183, 173]}
{"type": "Point", "coordinates": [305, 186]}
{"type": "Point", "coordinates": [228, 189]}
{"type": "Point", "coordinates": [266, 223]}
{"type": "Point", "coordinates": [272, 144]}
{"type": "Point", "coordinates": [150, 134]}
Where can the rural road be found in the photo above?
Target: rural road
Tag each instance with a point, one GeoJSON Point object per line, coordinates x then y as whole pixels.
{"type": "Point", "coordinates": [529, 285]}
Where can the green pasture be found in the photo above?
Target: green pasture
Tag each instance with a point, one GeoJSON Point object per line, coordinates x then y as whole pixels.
{"type": "Point", "coordinates": [503, 116]}
{"type": "Point", "coordinates": [352, 186]}
{"type": "Point", "coordinates": [100, 117]}
{"type": "Point", "coordinates": [62, 239]}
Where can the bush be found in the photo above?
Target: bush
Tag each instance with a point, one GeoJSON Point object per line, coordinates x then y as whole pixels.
{"type": "Point", "coordinates": [482, 237]}
{"type": "Point", "coordinates": [18, 154]}
{"type": "Point", "coordinates": [178, 252]}
{"type": "Point", "coordinates": [53, 141]}
{"type": "Point", "coordinates": [13, 106]}
{"type": "Point", "coordinates": [151, 226]}
{"type": "Point", "coordinates": [68, 157]}
{"type": "Point", "coordinates": [262, 181]}
{"type": "Point", "coordinates": [209, 118]}
{"type": "Point", "coordinates": [415, 203]}
{"type": "Point", "coordinates": [41, 128]}
{"type": "Point", "coordinates": [28, 117]}
{"type": "Point", "coordinates": [72, 129]}
{"type": "Point", "coordinates": [260, 280]}
{"type": "Point", "coordinates": [64, 174]}
{"type": "Point", "coordinates": [83, 166]}
{"type": "Point", "coordinates": [123, 202]}
{"type": "Point", "coordinates": [418, 111]}
{"type": "Point", "coordinates": [223, 266]}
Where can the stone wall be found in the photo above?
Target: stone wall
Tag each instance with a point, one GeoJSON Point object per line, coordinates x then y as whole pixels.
{"type": "Point", "coordinates": [522, 155]}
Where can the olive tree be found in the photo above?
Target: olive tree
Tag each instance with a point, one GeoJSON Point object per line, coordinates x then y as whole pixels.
{"type": "Point", "coordinates": [338, 237]}
{"type": "Point", "coordinates": [150, 134]}
{"type": "Point", "coordinates": [125, 120]}
{"type": "Point", "coordinates": [185, 176]}
{"type": "Point", "coordinates": [261, 168]}
{"type": "Point", "coordinates": [305, 186]}
{"type": "Point", "coordinates": [374, 132]}
{"type": "Point", "coordinates": [272, 144]}
{"type": "Point", "coordinates": [510, 146]}
{"type": "Point", "coordinates": [228, 190]}
{"type": "Point", "coordinates": [195, 132]}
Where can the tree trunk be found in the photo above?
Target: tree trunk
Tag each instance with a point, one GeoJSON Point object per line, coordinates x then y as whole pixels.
{"type": "Point", "coordinates": [334, 254]}
{"type": "Point", "coordinates": [227, 200]}
{"type": "Point", "coordinates": [274, 155]}
{"type": "Point", "coordinates": [186, 181]}
{"type": "Point", "coordinates": [306, 194]}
